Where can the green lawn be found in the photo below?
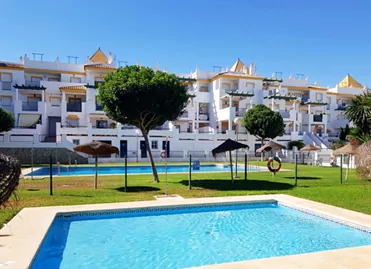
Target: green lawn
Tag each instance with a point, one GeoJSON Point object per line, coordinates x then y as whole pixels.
{"type": "Point", "coordinates": [315, 183]}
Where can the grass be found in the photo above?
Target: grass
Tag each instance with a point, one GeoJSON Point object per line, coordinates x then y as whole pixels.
{"type": "Point", "coordinates": [320, 184]}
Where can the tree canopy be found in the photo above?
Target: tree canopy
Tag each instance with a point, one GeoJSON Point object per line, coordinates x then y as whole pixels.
{"type": "Point", "coordinates": [6, 121]}
{"type": "Point", "coordinates": [262, 122]}
{"type": "Point", "coordinates": [359, 112]}
{"type": "Point", "coordinates": [144, 98]}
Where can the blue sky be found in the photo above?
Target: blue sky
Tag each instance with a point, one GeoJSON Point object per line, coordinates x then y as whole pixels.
{"type": "Point", "coordinates": [324, 39]}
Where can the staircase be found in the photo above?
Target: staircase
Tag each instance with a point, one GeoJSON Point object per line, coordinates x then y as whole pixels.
{"type": "Point", "coordinates": [310, 138]}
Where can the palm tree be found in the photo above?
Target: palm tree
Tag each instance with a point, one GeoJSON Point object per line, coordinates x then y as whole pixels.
{"type": "Point", "coordinates": [357, 136]}
{"type": "Point", "coordinates": [359, 112]}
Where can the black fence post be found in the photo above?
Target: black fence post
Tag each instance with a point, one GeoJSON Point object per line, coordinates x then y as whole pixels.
{"type": "Point", "coordinates": [51, 176]}
{"type": "Point", "coordinates": [190, 173]}
{"type": "Point", "coordinates": [296, 169]}
{"type": "Point", "coordinates": [341, 169]}
{"type": "Point", "coordinates": [245, 166]}
{"type": "Point", "coordinates": [126, 173]}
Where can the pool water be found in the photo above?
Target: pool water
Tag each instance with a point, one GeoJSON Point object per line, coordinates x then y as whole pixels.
{"type": "Point", "coordinates": [107, 170]}
{"type": "Point", "coordinates": [187, 237]}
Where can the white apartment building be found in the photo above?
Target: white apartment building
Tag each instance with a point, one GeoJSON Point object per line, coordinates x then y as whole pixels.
{"type": "Point", "coordinates": [55, 104]}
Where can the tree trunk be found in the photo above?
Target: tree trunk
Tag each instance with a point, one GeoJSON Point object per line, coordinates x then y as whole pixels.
{"type": "Point", "coordinates": [262, 155]}
{"type": "Point", "coordinates": [154, 170]}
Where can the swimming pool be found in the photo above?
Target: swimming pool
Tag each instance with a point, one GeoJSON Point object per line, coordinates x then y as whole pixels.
{"type": "Point", "coordinates": [107, 170]}
{"type": "Point", "coordinates": [187, 236]}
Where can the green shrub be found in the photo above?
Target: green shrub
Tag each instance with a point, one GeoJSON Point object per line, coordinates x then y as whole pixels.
{"type": "Point", "coordinates": [298, 144]}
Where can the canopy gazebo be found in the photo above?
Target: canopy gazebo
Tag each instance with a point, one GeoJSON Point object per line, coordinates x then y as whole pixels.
{"type": "Point", "coordinates": [229, 145]}
{"type": "Point", "coordinates": [269, 146]}
{"type": "Point", "coordinates": [95, 149]}
{"type": "Point", "coordinates": [309, 148]}
{"type": "Point", "coordinates": [363, 160]}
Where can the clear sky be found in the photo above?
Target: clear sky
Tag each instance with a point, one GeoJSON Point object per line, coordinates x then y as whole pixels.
{"type": "Point", "coordinates": [324, 39]}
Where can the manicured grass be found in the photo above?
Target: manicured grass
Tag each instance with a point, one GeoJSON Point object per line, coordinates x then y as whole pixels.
{"type": "Point", "coordinates": [315, 183]}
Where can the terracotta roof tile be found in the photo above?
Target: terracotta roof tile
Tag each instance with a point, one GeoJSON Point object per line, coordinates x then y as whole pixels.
{"type": "Point", "coordinates": [100, 65]}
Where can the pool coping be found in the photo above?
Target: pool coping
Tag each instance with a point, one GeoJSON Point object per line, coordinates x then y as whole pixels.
{"type": "Point", "coordinates": [22, 236]}
{"type": "Point", "coordinates": [265, 169]}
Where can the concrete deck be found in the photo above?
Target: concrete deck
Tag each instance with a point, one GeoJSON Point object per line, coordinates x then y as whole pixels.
{"type": "Point", "coordinates": [21, 237]}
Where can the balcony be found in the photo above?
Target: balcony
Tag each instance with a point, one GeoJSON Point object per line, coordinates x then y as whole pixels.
{"type": "Point", "coordinates": [6, 86]}
{"type": "Point", "coordinates": [202, 116]}
{"type": "Point", "coordinates": [32, 83]}
{"type": "Point", "coordinates": [341, 107]}
{"type": "Point", "coordinates": [71, 107]}
{"type": "Point", "coordinates": [240, 112]}
{"type": "Point", "coordinates": [29, 106]}
{"type": "Point", "coordinates": [285, 114]}
{"type": "Point", "coordinates": [7, 107]}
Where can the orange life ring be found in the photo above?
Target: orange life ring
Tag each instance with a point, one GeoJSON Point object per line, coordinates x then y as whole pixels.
{"type": "Point", "coordinates": [163, 154]}
{"type": "Point", "coordinates": [269, 164]}
{"type": "Point", "coordinates": [331, 160]}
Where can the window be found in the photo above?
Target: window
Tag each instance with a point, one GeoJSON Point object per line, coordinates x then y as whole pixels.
{"type": "Point", "coordinates": [55, 101]}
{"type": "Point", "coordinates": [75, 79]}
{"type": "Point", "coordinates": [154, 144]}
{"type": "Point", "coordinates": [319, 96]}
{"type": "Point", "coordinates": [6, 77]}
{"type": "Point", "coordinates": [72, 123]}
{"type": "Point", "coordinates": [226, 86]}
{"type": "Point", "coordinates": [76, 141]}
{"type": "Point", "coordinates": [102, 124]}
{"type": "Point", "coordinates": [36, 79]}
{"type": "Point", "coordinates": [53, 79]}
{"type": "Point", "coordinates": [204, 89]}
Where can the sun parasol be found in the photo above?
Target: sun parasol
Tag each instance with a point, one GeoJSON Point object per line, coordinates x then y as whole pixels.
{"type": "Point", "coordinates": [95, 149]}
{"type": "Point", "coordinates": [229, 145]}
{"type": "Point", "coordinates": [309, 148]}
{"type": "Point", "coordinates": [348, 149]}
{"type": "Point", "coordinates": [271, 145]}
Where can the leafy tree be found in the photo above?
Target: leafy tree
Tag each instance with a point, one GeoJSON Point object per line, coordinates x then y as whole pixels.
{"type": "Point", "coordinates": [144, 98]}
{"type": "Point", "coordinates": [6, 121]}
{"type": "Point", "coordinates": [298, 144]}
{"type": "Point", "coordinates": [357, 136]}
{"type": "Point", "coordinates": [262, 122]}
{"type": "Point", "coordinates": [359, 112]}
{"type": "Point", "coordinates": [344, 132]}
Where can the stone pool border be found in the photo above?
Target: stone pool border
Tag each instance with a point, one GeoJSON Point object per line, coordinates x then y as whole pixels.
{"type": "Point", "coordinates": [22, 236]}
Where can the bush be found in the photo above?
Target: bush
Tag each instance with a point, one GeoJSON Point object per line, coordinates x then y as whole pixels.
{"type": "Point", "coordinates": [337, 144]}
{"type": "Point", "coordinates": [298, 144]}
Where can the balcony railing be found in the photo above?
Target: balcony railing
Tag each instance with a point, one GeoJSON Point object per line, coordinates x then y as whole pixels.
{"type": "Point", "coordinates": [6, 86]}
{"type": "Point", "coordinates": [285, 114]}
{"type": "Point", "coordinates": [71, 107]}
{"type": "Point", "coordinates": [341, 106]}
{"type": "Point", "coordinates": [305, 98]}
{"type": "Point", "coordinates": [29, 106]}
{"type": "Point", "coordinates": [99, 107]}
{"type": "Point", "coordinates": [203, 116]}
{"type": "Point", "coordinates": [7, 107]}
{"type": "Point", "coordinates": [240, 112]}
{"type": "Point", "coordinates": [317, 118]}
{"type": "Point", "coordinates": [32, 83]}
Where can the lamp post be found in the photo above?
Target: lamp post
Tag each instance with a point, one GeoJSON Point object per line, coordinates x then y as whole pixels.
{"type": "Point", "coordinates": [236, 121]}
{"type": "Point", "coordinates": [137, 132]}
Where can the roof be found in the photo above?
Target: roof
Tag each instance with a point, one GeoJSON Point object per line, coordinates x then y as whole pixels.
{"type": "Point", "coordinates": [77, 87]}
{"type": "Point", "coordinates": [350, 82]}
{"type": "Point", "coordinates": [348, 149]}
{"type": "Point", "coordinates": [237, 66]}
{"type": "Point", "coordinates": [12, 65]}
{"type": "Point", "coordinates": [309, 148]}
{"type": "Point", "coordinates": [99, 57]}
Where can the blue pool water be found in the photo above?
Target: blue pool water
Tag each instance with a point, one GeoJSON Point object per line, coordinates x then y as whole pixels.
{"type": "Point", "coordinates": [187, 237]}
{"type": "Point", "coordinates": [107, 170]}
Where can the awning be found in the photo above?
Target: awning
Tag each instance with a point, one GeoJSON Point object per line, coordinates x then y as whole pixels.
{"type": "Point", "coordinates": [28, 120]}
{"type": "Point", "coordinates": [73, 117]}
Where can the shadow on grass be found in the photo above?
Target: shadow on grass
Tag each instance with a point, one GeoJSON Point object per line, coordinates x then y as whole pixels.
{"type": "Point", "coordinates": [138, 189]}
{"type": "Point", "coordinates": [33, 189]}
{"type": "Point", "coordinates": [248, 185]}
{"type": "Point", "coordinates": [76, 195]}
{"type": "Point", "coordinates": [304, 178]}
